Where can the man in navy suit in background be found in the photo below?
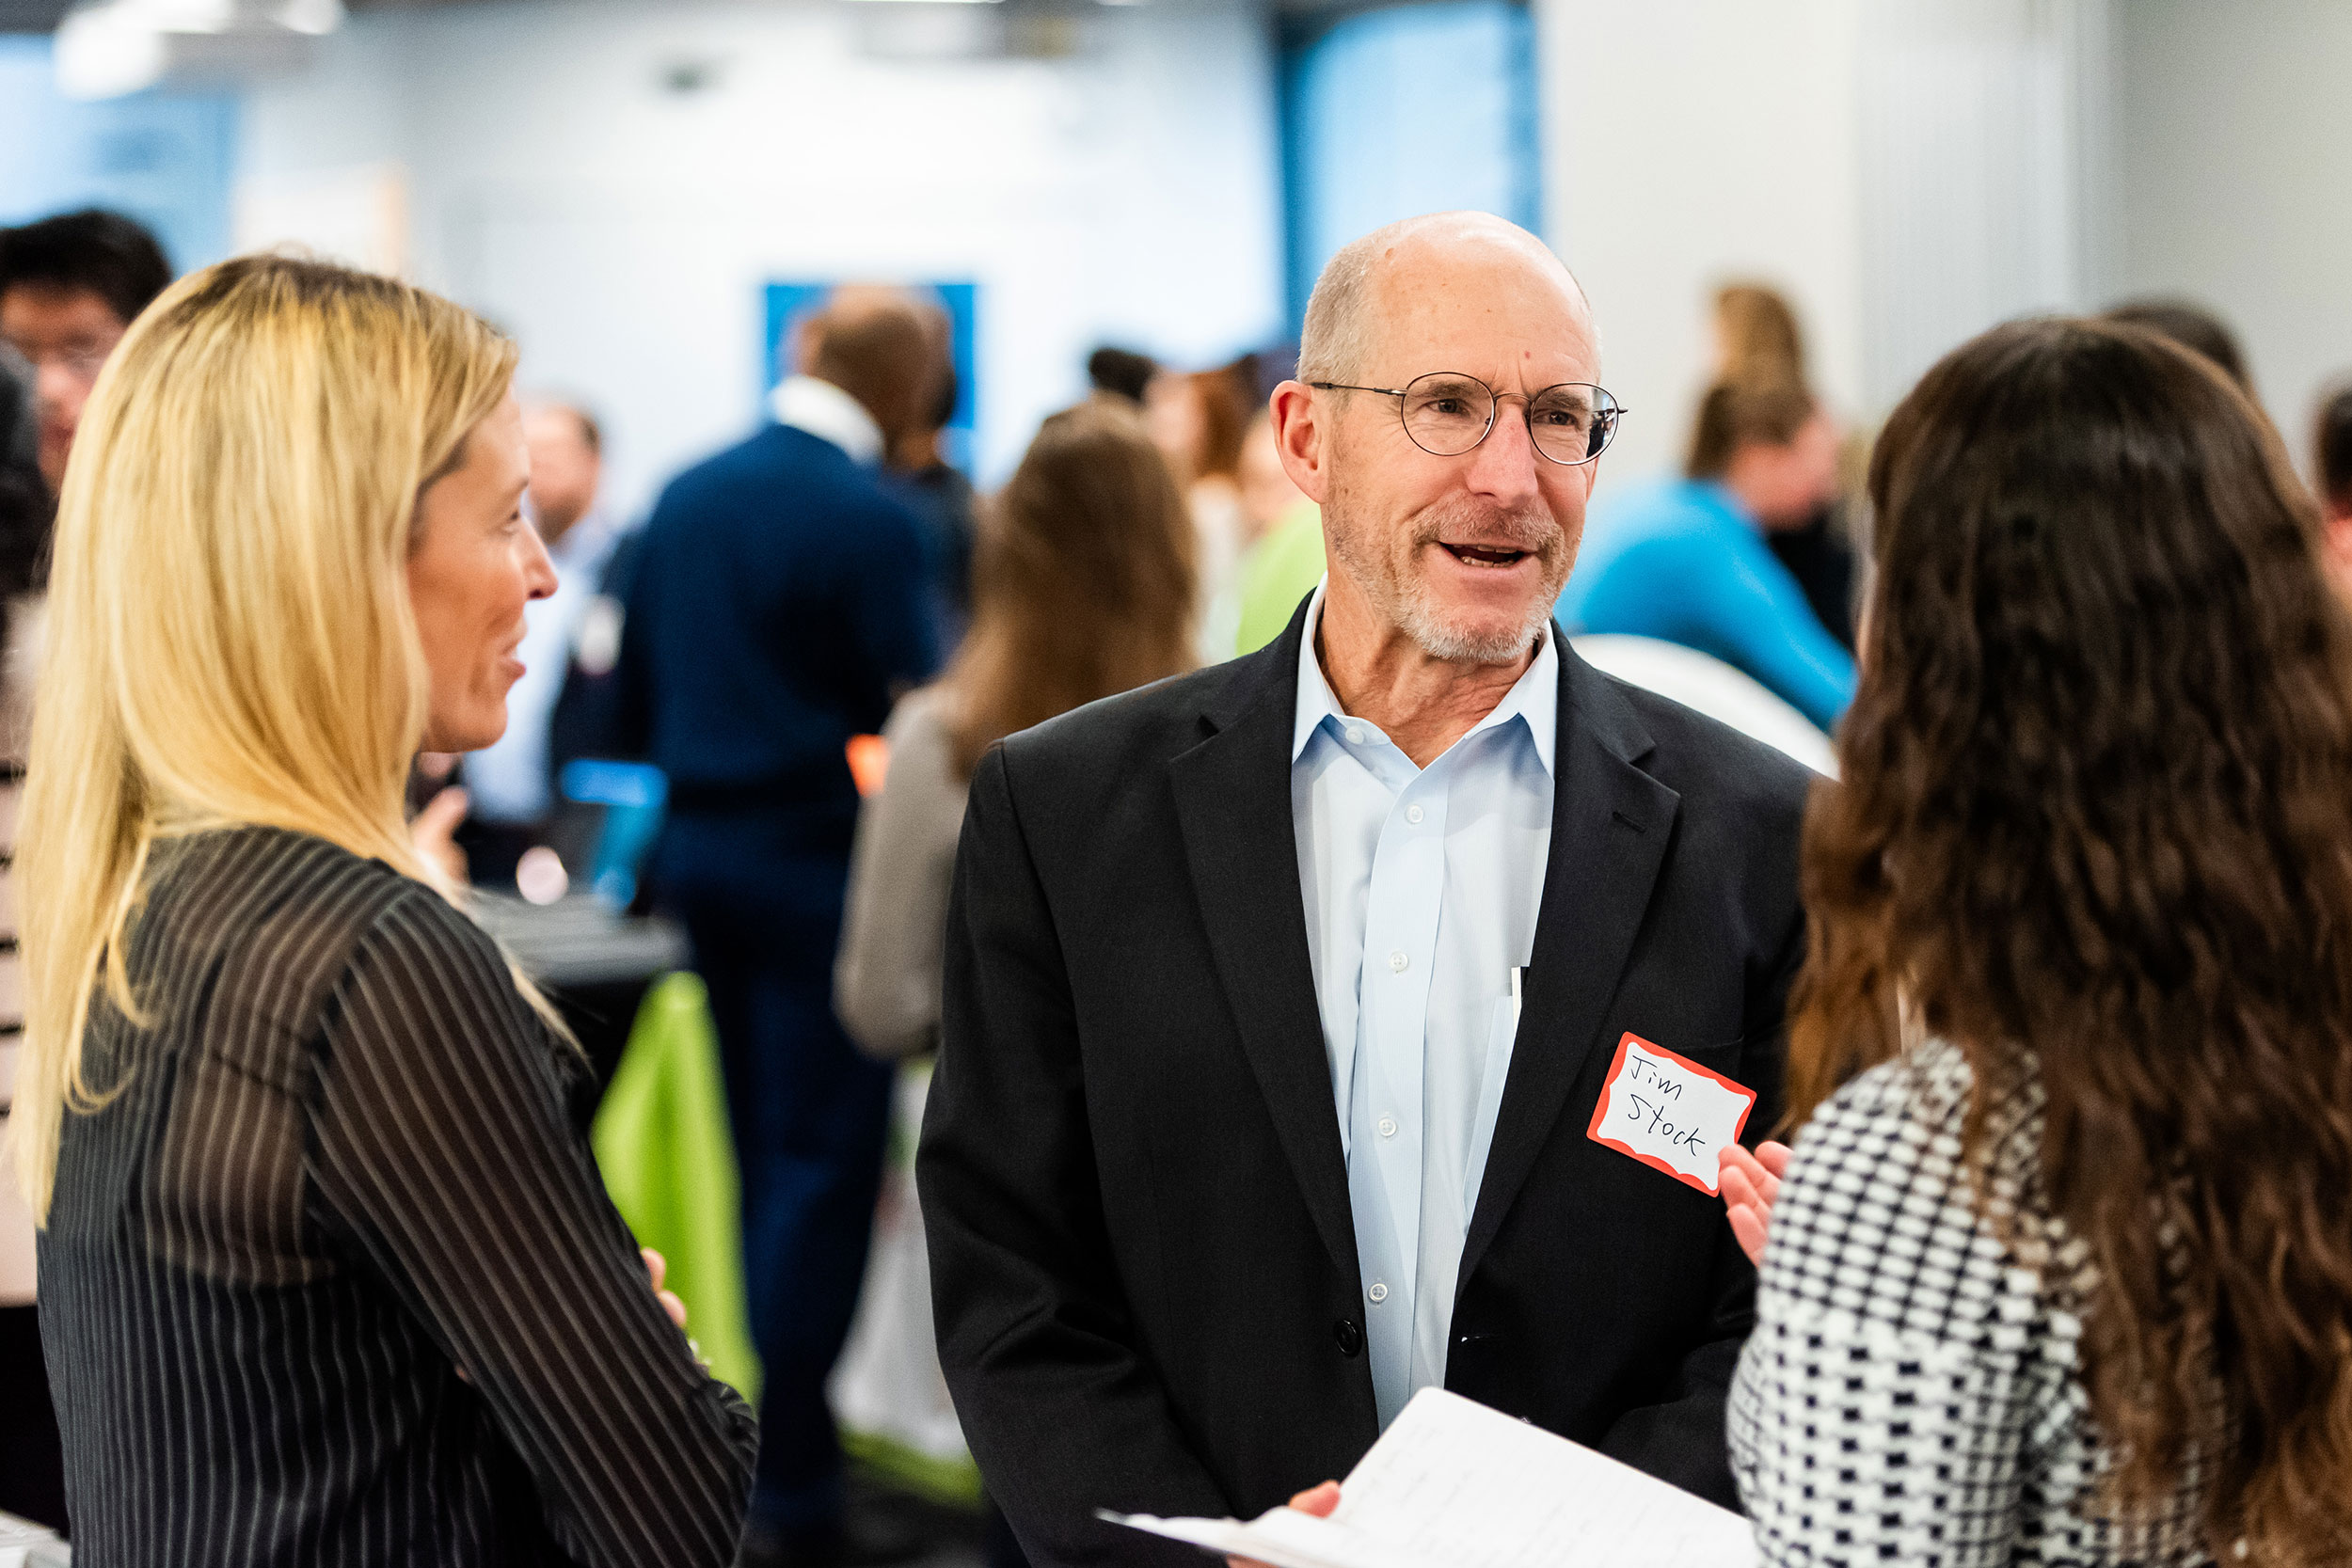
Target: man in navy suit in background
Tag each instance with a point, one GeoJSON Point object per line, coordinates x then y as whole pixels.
{"type": "Point", "coordinates": [779, 604]}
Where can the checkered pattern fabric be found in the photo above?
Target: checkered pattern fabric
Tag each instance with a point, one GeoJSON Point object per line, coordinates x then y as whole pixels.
{"type": "Point", "coordinates": [1909, 1393]}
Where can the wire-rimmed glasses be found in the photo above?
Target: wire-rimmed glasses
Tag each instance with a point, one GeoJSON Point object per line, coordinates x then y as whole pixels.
{"type": "Point", "coordinates": [1446, 413]}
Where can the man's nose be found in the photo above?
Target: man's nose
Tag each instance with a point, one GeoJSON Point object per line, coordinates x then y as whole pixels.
{"type": "Point", "coordinates": [1505, 465]}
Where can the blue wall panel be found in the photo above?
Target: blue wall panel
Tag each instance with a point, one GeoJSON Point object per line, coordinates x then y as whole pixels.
{"type": "Point", "coordinates": [166, 159]}
{"type": "Point", "coordinates": [1410, 109]}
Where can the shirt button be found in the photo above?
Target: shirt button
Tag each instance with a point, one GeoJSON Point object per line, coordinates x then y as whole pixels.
{"type": "Point", "coordinates": [1354, 736]}
{"type": "Point", "coordinates": [1348, 1335]}
{"type": "Point", "coordinates": [1388, 1127]}
{"type": "Point", "coordinates": [1414, 815]}
{"type": "Point", "coordinates": [1378, 1293]}
{"type": "Point", "coordinates": [1397, 961]}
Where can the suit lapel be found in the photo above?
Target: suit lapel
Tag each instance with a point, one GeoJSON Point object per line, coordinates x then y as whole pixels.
{"type": "Point", "coordinates": [1610, 824]}
{"type": "Point", "coordinates": [1233, 805]}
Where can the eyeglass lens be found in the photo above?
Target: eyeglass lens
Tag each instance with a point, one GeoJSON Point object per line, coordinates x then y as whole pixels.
{"type": "Point", "coordinates": [1447, 415]}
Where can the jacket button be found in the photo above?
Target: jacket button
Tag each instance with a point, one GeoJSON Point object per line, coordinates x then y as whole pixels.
{"type": "Point", "coordinates": [1348, 1335]}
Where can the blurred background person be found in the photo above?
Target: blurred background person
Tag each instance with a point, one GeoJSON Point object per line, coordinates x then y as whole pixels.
{"type": "Point", "coordinates": [1755, 335]}
{"type": "Point", "coordinates": [20, 430]}
{"type": "Point", "coordinates": [32, 1461]}
{"type": "Point", "coordinates": [2194, 329]}
{"type": "Point", "coordinates": [2081, 921]}
{"type": "Point", "coordinates": [70, 288]}
{"type": "Point", "coordinates": [1757, 342]}
{"type": "Point", "coordinates": [938, 491]}
{"type": "Point", "coordinates": [1685, 561]}
{"type": "Point", "coordinates": [1121, 373]}
{"type": "Point", "coordinates": [1083, 589]}
{"type": "Point", "coordinates": [1284, 559]}
{"type": "Point", "coordinates": [1197, 419]}
{"type": "Point", "coordinates": [328, 1274]}
{"type": "Point", "coordinates": [779, 602]}
{"type": "Point", "coordinates": [510, 787]}
{"type": "Point", "coordinates": [2332, 475]}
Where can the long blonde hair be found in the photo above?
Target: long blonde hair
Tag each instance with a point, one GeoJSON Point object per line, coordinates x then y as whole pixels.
{"type": "Point", "coordinates": [231, 639]}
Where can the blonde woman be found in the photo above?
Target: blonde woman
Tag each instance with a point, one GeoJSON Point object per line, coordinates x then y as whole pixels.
{"type": "Point", "coordinates": [328, 1276]}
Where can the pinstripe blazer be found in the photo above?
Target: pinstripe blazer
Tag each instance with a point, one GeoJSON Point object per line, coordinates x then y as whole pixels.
{"type": "Point", "coordinates": [330, 1278]}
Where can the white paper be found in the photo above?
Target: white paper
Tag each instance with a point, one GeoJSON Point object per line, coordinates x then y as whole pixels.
{"type": "Point", "coordinates": [1454, 1484]}
{"type": "Point", "coordinates": [1669, 1113]}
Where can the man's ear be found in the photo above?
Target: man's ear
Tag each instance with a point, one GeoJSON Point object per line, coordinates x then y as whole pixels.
{"type": "Point", "coordinates": [1302, 437]}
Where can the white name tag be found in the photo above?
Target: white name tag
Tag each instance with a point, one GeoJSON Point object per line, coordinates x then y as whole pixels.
{"type": "Point", "coordinates": [1669, 1113]}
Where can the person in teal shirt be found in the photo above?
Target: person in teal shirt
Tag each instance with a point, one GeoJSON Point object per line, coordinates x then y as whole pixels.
{"type": "Point", "coordinates": [1686, 561]}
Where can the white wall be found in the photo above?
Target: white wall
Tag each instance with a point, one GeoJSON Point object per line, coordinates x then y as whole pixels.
{"type": "Point", "coordinates": [1688, 142]}
{"type": "Point", "coordinates": [2238, 179]}
{"type": "Point", "coordinates": [623, 231]}
{"type": "Point", "coordinates": [1985, 144]}
{"type": "Point", "coordinates": [1908, 171]}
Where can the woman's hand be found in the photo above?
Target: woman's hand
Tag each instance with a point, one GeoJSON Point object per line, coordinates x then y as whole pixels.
{"type": "Point", "coordinates": [656, 1266]}
{"type": "Point", "coordinates": [434, 831]}
{"type": "Point", "coordinates": [1750, 1185]}
{"type": "Point", "coordinates": [1318, 1501]}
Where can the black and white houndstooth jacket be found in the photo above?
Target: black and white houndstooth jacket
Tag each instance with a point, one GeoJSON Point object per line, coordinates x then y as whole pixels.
{"type": "Point", "coordinates": [1909, 1393]}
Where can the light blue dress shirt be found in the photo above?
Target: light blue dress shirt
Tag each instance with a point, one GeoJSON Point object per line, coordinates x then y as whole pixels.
{"type": "Point", "coordinates": [1421, 888]}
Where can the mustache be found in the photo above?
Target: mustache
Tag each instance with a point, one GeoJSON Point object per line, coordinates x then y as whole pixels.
{"type": "Point", "coordinates": [1532, 528]}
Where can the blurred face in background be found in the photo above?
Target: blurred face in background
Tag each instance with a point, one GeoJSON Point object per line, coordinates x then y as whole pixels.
{"type": "Point", "coordinates": [1268, 495]}
{"type": "Point", "coordinates": [66, 334]}
{"type": "Point", "coordinates": [475, 564]}
{"type": "Point", "coordinates": [565, 468]}
{"type": "Point", "coordinates": [1786, 485]}
{"type": "Point", "coordinates": [1179, 425]}
{"type": "Point", "coordinates": [1463, 555]}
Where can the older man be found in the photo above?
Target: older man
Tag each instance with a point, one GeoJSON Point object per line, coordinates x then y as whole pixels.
{"type": "Point", "coordinates": [1280, 998]}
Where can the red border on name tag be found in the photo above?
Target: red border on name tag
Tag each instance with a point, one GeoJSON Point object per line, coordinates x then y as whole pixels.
{"type": "Point", "coordinates": [1608, 1094]}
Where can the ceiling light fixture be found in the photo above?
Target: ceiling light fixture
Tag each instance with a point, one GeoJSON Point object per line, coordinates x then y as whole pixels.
{"type": "Point", "coordinates": [108, 48]}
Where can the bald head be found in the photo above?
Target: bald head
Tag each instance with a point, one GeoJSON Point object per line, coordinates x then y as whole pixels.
{"type": "Point", "coordinates": [881, 346]}
{"type": "Point", "coordinates": [1444, 260]}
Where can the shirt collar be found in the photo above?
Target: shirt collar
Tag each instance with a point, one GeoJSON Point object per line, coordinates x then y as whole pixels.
{"type": "Point", "coordinates": [1535, 698]}
{"type": "Point", "coordinates": [828, 413]}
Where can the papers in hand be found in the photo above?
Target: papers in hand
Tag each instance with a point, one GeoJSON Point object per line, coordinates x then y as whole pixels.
{"type": "Point", "coordinates": [1454, 1484]}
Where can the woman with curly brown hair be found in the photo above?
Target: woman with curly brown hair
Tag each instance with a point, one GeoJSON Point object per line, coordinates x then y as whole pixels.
{"type": "Point", "coordinates": [2061, 1272]}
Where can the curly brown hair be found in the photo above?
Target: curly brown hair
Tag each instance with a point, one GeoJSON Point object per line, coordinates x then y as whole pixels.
{"type": "Point", "coordinates": [2095, 828]}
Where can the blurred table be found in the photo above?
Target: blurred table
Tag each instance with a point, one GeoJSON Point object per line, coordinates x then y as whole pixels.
{"type": "Point", "coordinates": [594, 963]}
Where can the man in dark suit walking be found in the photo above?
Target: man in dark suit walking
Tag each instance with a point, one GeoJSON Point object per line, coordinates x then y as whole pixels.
{"type": "Point", "coordinates": [1280, 997]}
{"type": "Point", "coordinates": [778, 603]}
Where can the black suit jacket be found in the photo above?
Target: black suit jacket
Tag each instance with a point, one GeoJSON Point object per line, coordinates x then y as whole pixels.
{"type": "Point", "coordinates": [1142, 1259]}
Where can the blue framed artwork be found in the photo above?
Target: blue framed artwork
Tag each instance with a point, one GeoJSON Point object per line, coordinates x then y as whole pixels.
{"type": "Point", "coordinates": [790, 303]}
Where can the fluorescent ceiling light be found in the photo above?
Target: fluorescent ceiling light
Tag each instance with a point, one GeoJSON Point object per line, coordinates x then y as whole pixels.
{"type": "Point", "coordinates": [107, 48]}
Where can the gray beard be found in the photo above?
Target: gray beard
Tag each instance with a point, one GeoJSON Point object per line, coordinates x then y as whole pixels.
{"type": "Point", "coordinates": [1409, 605]}
{"type": "Point", "coordinates": [1419, 621]}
